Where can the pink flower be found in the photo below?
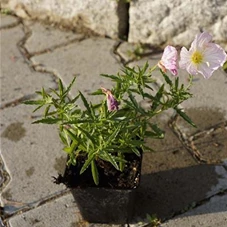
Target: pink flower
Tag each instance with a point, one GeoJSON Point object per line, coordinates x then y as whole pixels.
{"type": "Point", "coordinates": [112, 103]}
{"type": "Point", "coordinates": [169, 60]}
{"type": "Point", "coordinates": [203, 57]}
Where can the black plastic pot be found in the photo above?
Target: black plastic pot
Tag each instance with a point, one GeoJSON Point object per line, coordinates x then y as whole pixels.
{"type": "Point", "coordinates": [112, 201]}
{"type": "Point", "coordinates": [103, 205]}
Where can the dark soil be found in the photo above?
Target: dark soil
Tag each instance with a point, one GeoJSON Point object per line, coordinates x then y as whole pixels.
{"type": "Point", "coordinates": [109, 177]}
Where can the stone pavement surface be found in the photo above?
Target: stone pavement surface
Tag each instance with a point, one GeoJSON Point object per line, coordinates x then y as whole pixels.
{"type": "Point", "coordinates": [184, 183]}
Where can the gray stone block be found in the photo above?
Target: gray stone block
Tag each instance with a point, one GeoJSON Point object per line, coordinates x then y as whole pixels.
{"type": "Point", "coordinates": [100, 17]}
{"type": "Point", "coordinates": [86, 59]}
{"type": "Point", "coordinates": [176, 22]}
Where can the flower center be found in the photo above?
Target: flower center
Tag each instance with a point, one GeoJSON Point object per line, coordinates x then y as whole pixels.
{"type": "Point", "coordinates": [197, 57]}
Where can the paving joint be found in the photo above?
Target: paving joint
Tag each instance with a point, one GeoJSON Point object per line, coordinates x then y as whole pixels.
{"type": "Point", "coordinates": [33, 205]}
{"type": "Point", "coordinates": [207, 131]}
{"type": "Point", "coordinates": [194, 205]}
{"type": "Point", "coordinates": [186, 142]}
{"type": "Point", "coordinates": [115, 51]}
{"type": "Point", "coordinates": [13, 25]}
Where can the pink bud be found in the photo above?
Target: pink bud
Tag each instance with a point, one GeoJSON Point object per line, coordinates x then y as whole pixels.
{"type": "Point", "coordinates": [112, 103]}
{"type": "Point", "coordinates": [169, 60]}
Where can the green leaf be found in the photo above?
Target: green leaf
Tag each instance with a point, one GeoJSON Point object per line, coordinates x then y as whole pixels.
{"type": "Point", "coordinates": [34, 102]}
{"type": "Point", "coordinates": [55, 92]}
{"type": "Point", "coordinates": [177, 83]}
{"type": "Point", "coordinates": [113, 77]}
{"type": "Point", "coordinates": [157, 98]}
{"type": "Point", "coordinates": [98, 92]}
{"type": "Point", "coordinates": [121, 161]}
{"type": "Point", "coordinates": [114, 134]}
{"type": "Point", "coordinates": [136, 151]}
{"type": "Point", "coordinates": [87, 134]}
{"type": "Point", "coordinates": [110, 158]}
{"type": "Point", "coordinates": [185, 116]}
{"type": "Point", "coordinates": [87, 162]}
{"type": "Point", "coordinates": [48, 121]}
{"type": "Point", "coordinates": [69, 87]}
{"type": "Point", "coordinates": [75, 99]}
{"type": "Point", "coordinates": [60, 87]}
{"type": "Point", "coordinates": [94, 172]}
{"type": "Point", "coordinates": [71, 149]}
{"type": "Point", "coordinates": [47, 111]}
{"type": "Point", "coordinates": [168, 81]}
{"type": "Point", "coordinates": [144, 147]}
{"type": "Point", "coordinates": [87, 106]}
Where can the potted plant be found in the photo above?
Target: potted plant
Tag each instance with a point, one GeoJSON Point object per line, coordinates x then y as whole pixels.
{"type": "Point", "coordinates": [105, 140]}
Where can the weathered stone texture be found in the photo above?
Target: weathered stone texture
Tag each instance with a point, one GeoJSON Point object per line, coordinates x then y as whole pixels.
{"type": "Point", "coordinates": [99, 16]}
{"type": "Point", "coordinates": [160, 22]}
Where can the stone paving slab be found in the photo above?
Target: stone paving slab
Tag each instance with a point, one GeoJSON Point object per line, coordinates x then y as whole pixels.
{"type": "Point", "coordinates": [27, 151]}
{"type": "Point", "coordinates": [45, 38]}
{"type": "Point", "coordinates": [7, 21]}
{"type": "Point", "coordinates": [17, 78]}
{"type": "Point", "coordinates": [61, 212]}
{"type": "Point", "coordinates": [86, 59]}
{"type": "Point", "coordinates": [210, 214]}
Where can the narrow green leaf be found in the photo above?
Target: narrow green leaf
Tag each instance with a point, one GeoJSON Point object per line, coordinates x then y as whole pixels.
{"type": "Point", "coordinates": [114, 134]}
{"type": "Point", "coordinates": [144, 147]}
{"type": "Point", "coordinates": [78, 121]}
{"type": "Point", "coordinates": [185, 117]}
{"type": "Point", "coordinates": [157, 98]}
{"type": "Point", "coordinates": [47, 111]}
{"type": "Point", "coordinates": [121, 161]}
{"type": "Point", "coordinates": [149, 87]}
{"type": "Point", "coordinates": [136, 151]}
{"type": "Point", "coordinates": [177, 83]}
{"type": "Point", "coordinates": [87, 162]}
{"type": "Point", "coordinates": [87, 134]}
{"type": "Point", "coordinates": [48, 121]}
{"type": "Point", "coordinates": [71, 148]}
{"type": "Point", "coordinates": [69, 87]}
{"type": "Point", "coordinates": [63, 137]}
{"type": "Point", "coordinates": [87, 106]}
{"type": "Point", "coordinates": [168, 81]}
{"type": "Point", "coordinates": [34, 102]}
{"type": "Point", "coordinates": [75, 99]}
{"type": "Point", "coordinates": [60, 87]}
{"type": "Point", "coordinates": [113, 77]}
{"type": "Point", "coordinates": [110, 159]}
{"type": "Point", "coordinates": [55, 92]}
{"type": "Point", "coordinates": [94, 172]}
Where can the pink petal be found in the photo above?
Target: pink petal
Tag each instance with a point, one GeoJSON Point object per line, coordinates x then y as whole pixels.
{"type": "Point", "coordinates": [184, 58]}
{"type": "Point", "coordinates": [169, 60]}
{"type": "Point", "coordinates": [205, 70]}
{"type": "Point", "coordinates": [201, 40]}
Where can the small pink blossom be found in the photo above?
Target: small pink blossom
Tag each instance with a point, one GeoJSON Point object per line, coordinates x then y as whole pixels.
{"type": "Point", "coordinates": [203, 57]}
{"type": "Point", "coordinates": [169, 60]}
{"type": "Point", "coordinates": [112, 103]}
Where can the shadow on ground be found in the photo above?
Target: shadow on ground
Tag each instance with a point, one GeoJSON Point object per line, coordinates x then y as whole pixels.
{"type": "Point", "coordinates": [173, 191]}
